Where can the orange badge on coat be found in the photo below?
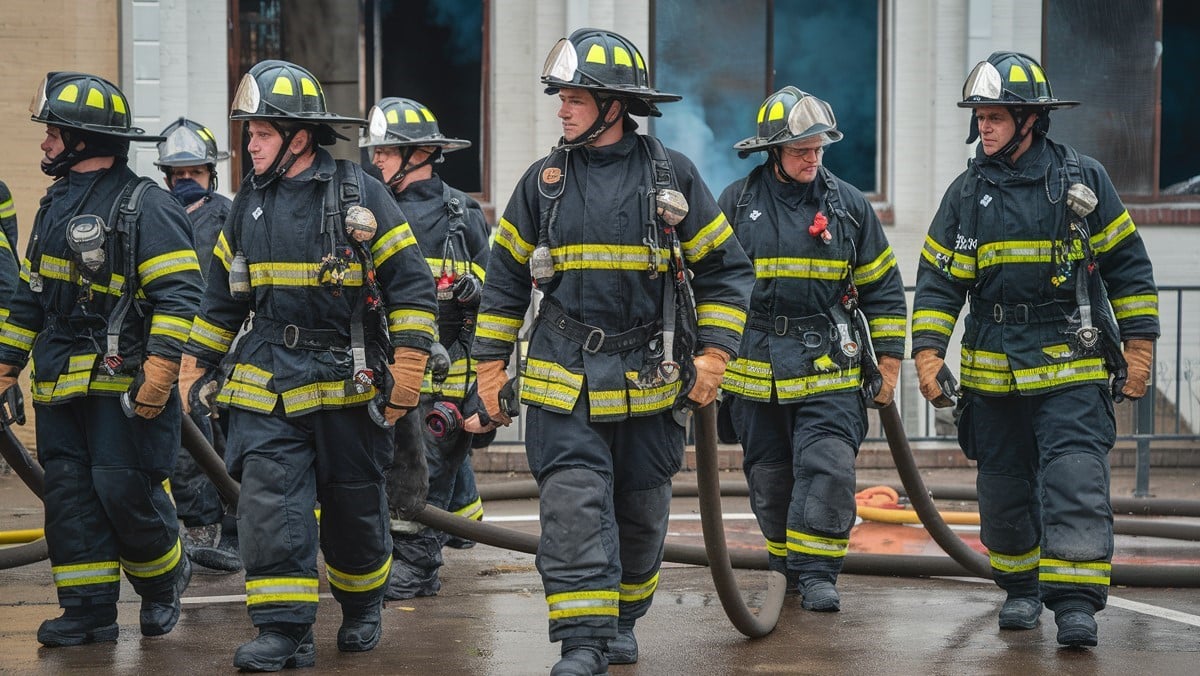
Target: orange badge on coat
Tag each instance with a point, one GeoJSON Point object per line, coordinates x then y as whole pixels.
{"type": "Point", "coordinates": [551, 175]}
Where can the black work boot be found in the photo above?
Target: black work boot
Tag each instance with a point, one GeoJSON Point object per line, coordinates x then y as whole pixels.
{"type": "Point", "coordinates": [622, 649]}
{"type": "Point", "coordinates": [281, 645]}
{"type": "Point", "coordinates": [79, 625]}
{"type": "Point", "coordinates": [581, 657]}
{"type": "Point", "coordinates": [456, 542]}
{"type": "Point", "coordinates": [1076, 626]}
{"type": "Point", "coordinates": [159, 614]}
{"type": "Point", "coordinates": [1020, 612]}
{"type": "Point", "coordinates": [819, 596]}
{"type": "Point", "coordinates": [361, 628]}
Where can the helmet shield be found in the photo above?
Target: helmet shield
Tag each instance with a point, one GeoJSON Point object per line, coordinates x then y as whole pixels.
{"type": "Point", "coordinates": [562, 62]}
{"type": "Point", "coordinates": [187, 144]}
{"type": "Point", "coordinates": [246, 99]}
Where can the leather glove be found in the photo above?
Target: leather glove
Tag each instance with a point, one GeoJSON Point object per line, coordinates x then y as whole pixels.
{"type": "Point", "coordinates": [8, 376]}
{"type": "Point", "coordinates": [491, 377]}
{"type": "Point", "coordinates": [408, 374]}
{"type": "Point", "coordinates": [197, 385]}
{"type": "Point", "coordinates": [928, 366]}
{"type": "Point", "coordinates": [1139, 355]}
{"type": "Point", "coordinates": [710, 369]}
{"type": "Point", "coordinates": [889, 368]}
{"type": "Point", "coordinates": [152, 387]}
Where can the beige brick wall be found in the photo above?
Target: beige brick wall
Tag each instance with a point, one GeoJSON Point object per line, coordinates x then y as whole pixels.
{"type": "Point", "coordinates": [37, 36]}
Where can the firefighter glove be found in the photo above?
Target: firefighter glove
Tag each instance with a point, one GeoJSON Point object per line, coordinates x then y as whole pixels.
{"type": "Point", "coordinates": [710, 369]}
{"type": "Point", "coordinates": [889, 368]}
{"type": "Point", "coordinates": [152, 387]}
{"type": "Point", "coordinates": [492, 377]}
{"type": "Point", "coordinates": [408, 373]}
{"type": "Point", "coordinates": [197, 386]}
{"type": "Point", "coordinates": [8, 376]}
{"type": "Point", "coordinates": [1139, 355]}
{"type": "Point", "coordinates": [928, 366]}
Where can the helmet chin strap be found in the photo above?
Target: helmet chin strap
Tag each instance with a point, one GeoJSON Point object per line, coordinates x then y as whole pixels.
{"type": "Point", "coordinates": [777, 165]}
{"type": "Point", "coordinates": [598, 127]}
{"type": "Point", "coordinates": [406, 153]}
{"type": "Point", "coordinates": [284, 159]}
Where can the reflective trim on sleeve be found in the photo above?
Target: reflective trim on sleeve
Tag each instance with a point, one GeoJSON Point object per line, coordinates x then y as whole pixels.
{"type": "Point", "coordinates": [509, 239]}
{"type": "Point", "coordinates": [873, 271]}
{"type": "Point", "coordinates": [721, 315]}
{"type": "Point", "coordinates": [222, 253]}
{"type": "Point", "coordinates": [395, 240]}
{"type": "Point", "coordinates": [710, 237]}
{"type": "Point", "coordinates": [411, 319]}
{"type": "Point", "coordinates": [1114, 233]}
{"type": "Point", "coordinates": [16, 337]}
{"type": "Point", "coordinates": [210, 336]}
{"type": "Point", "coordinates": [1145, 305]}
{"type": "Point", "coordinates": [887, 327]}
{"type": "Point", "coordinates": [960, 264]}
{"type": "Point", "coordinates": [498, 327]}
{"type": "Point", "coordinates": [160, 266]}
{"type": "Point", "coordinates": [172, 327]}
{"type": "Point", "coordinates": [933, 320]}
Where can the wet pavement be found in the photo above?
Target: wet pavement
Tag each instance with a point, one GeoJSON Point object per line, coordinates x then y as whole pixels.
{"type": "Point", "coordinates": [489, 617]}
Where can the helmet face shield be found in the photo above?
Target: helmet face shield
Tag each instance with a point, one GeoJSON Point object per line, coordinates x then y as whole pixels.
{"type": "Point", "coordinates": [38, 104]}
{"type": "Point", "coordinates": [983, 84]}
{"type": "Point", "coordinates": [247, 98]}
{"type": "Point", "coordinates": [562, 62]}
{"type": "Point", "coordinates": [183, 144]}
{"type": "Point", "coordinates": [376, 131]}
{"type": "Point", "coordinates": [812, 116]}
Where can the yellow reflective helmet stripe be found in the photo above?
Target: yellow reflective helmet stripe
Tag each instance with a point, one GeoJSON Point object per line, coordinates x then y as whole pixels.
{"type": "Point", "coordinates": [283, 86]}
{"type": "Point", "coordinates": [95, 99]}
{"type": "Point", "coordinates": [70, 93]}
{"type": "Point", "coordinates": [425, 112]}
{"type": "Point", "coordinates": [1017, 74]}
{"type": "Point", "coordinates": [308, 87]}
{"type": "Point", "coordinates": [596, 55]}
{"type": "Point", "coordinates": [411, 117]}
{"type": "Point", "coordinates": [118, 104]}
{"type": "Point", "coordinates": [621, 57]}
{"type": "Point", "coordinates": [777, 111]}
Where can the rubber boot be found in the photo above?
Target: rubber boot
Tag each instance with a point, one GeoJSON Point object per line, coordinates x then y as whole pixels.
{"type": "Point", "coordinates": [456, 542]}
{"type": "Point", "coordinates": [159, 615]}
{"type": "Point", "coordinates": [361, 628]}
{"type": "Point", "coordinates": [623, 649]}
{"type": "Point", "coordinates": [581, 657]}
{"type": "Point", "coordinates": [1020, 612]}
{"type": "Point", "coordinates": [1076, 627]}
{"type": "Point", "coordinates": [278, 646]}
{"type": "Point", "coordinates": [80, 625]}
{"type": "Point", "coordinates": [819, 596]}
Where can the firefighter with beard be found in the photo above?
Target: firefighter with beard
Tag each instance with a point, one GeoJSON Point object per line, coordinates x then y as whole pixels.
{"type": "Point", "coordinates": [109, 291]}
{"type": "Point", "coordinates": [188, 157]}
{"type": "Point", "coordinates": [406, 145]}
{"type": "Point", "coordinates": [605, 358]}
{"type": "Point", "coordinates": [827, 289]}
{"type": "Point", "coordinates": [1034, 239]}
{"type": "Point", "coordinates": [334, 355]}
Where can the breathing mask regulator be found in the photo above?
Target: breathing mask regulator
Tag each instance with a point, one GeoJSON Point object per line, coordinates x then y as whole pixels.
{"type": "Point", "coordinates": [86, 235]}
{"type": "Point", "coordinates": [1082, 201]}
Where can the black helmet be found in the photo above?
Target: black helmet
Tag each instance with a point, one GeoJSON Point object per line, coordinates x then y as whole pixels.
{"type": "Point", "coordinates": [1009, 79]}
{"type": "Point", "coordinates": [280, 91]}
{"type": "Point", "coordinates": [85, 102]}
{"type": "Point", "coordinates": [186, 143]}
{"type": "Point", "coordinates": [603, 62]}
{"type": "Point", "coordinates": [403, 122]}
{"type": "Point", "coordinates": [790, 115]}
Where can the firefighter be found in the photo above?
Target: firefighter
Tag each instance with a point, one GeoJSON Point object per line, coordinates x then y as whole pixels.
{"type": "Point", "coordinates": [406, 145]}
{"type": "Point", "coordinates": [1034, 239]}
{"type": "Point", "coordinates": [827, 289]}
{"type": "Point", "coordinates": [106, 301]}
{"type": "Point", "coordinates": [335, 352]}
{"type": "Point", "coordinates": [9, 264]}
{"type": "Point", "coordinates": [188, 158]}
{"type": "Point", "coordinates": [8, 218]}
{"type": "Point", "coordinates": [608, 356]}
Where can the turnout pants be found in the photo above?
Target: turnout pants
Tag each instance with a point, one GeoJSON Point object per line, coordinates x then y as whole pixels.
{"type": "Point", "coordinates": [196, 498]}
{"type": "Point", "coordinates": [605, 497]}
{"type": "Point", "coordinates": [286, 465]}
{"type": "Point", "coordinates": [1043, 482]}
{"type": "Point", "coordinates": [106, 507]}
{"type": "Point", "coordinates": [799, 463]}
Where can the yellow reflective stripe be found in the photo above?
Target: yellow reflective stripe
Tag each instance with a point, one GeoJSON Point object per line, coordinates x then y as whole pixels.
{"type": "Point", "coordinates": [1015, 563]}
{"type": "Point", "coordinates": [887, 327]}
{"type": "Point", "coordinates": [3, 315]}
{"type": "Point", "coordinates": [873, 271]}
{"type": "Point", "coordinates": [1113, 234]}
{"type": "Point", "coordinates": [246, 396]}
{"type": "Point", "coordinates": [722, 315]}
{"type": "Point", "coordinates": [151, 270]}
{"type": "Point", "coordinates": [1135, 306]}
{"type": "Point", "coordinates": [607, 403]}
{"type": "Point", "coordinates": [986, 372]}
{"type": "Point", "coordinates": [816, 545]}
{"type": "Point", "coordinates": [160, 566]}
{"type": "Point", "coordinates": [455, 266]}
{"type": "Point", "coordinates": [962, 265]}
{"type": "Point", "coordinates": [397, 239]}
{"type": "Point", "coordinates": [651, 399]}
{"type": "Point", "coordinates": [79, 574]}
{"type": "Point", "coordinates": [1075, 572]}
{"type": "Point", "coordinates": [776, 548]}
{"type": "Point", "coordinates": [933, 320]}
{"type": "Point", "coordinates": [16, 337]}
{"type": "Point", "coordinates": [509, 239]}
{"type": "Point", "coordinates": [582, 603]}
{"type": "Point", "coordinates": [1053, 375]}
{"type": "Point", "coordinates": [210, 335]}
{"type": "Point", "coordinates": [249, 373]}
{"type": "Point", "coordinates": [749, 378]}
{"type": "Point", "coordinates": [1019, 251]}
{"type": "Point", "coordinates": [546, 383]}
{"type": "Point", "coordinates": [473, 511]}
{"type": "Point", "coordinates": [172, 327]}
{"type": "Point", "coordinates": [799, 268]}
{"type": "Point", "coordinates": [222, 252]}
{"type": "Point", "coordinates": [102, 382]}
{"type": "Point", "coordinates": [321, 394]}
{"type": "Point", "coordinates": [300, 274]}
{"type": "Point", "coordinates": [359, 583]}
{"type": "Point", "coordinates": [791, 388]}
{"type": "Point", "coordinates": [710, 237]}
{"type": "Point", "coordinates": [409, 319]}
{"type": "Point", "coordinates": [7, 208]}
{"type": "Point", "coordinates": [498, 327]}
{"type": "Point", "coordinates": [479, 271]}
{"type": "Point", "coordinates": [631, 593]}
{"type": "Point", "coordinates": [606, 257]}
{"type": "Point", "coordinates": [281, 590]}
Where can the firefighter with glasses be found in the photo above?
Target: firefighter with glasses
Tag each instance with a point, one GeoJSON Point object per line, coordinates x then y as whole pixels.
{"type": "Point", "coordinates": [343, 316]}
{"type": "Point", "coordinates": [644, 297]}
{"type": "Point", "coordinates": [406, 145]}
{"type": "Point", "coordinates": [108, 292]}
{"type": "Point", "coordinates": [827, 289]}
{"type": "Point", "coordinates": [188, 157]}
{"type": "Point", "coordinates": [1035, 241]}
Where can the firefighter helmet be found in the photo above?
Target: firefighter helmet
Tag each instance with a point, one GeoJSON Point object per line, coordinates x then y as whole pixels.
{"type": "Point", "coordinates": [280, 91]}
{"type": "Point", "coordinates": [605, 63]}
{"type": "Point", "coordinates": [790, 115]}
{"type": "Point", "coordinates": [1009, 79]}
{"type": "Point", "coordinates": [403, 122]}
{"type": "Point", "coordinates": [85, 102]}
{"type": "Point", "coordinates": [186, 143]}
